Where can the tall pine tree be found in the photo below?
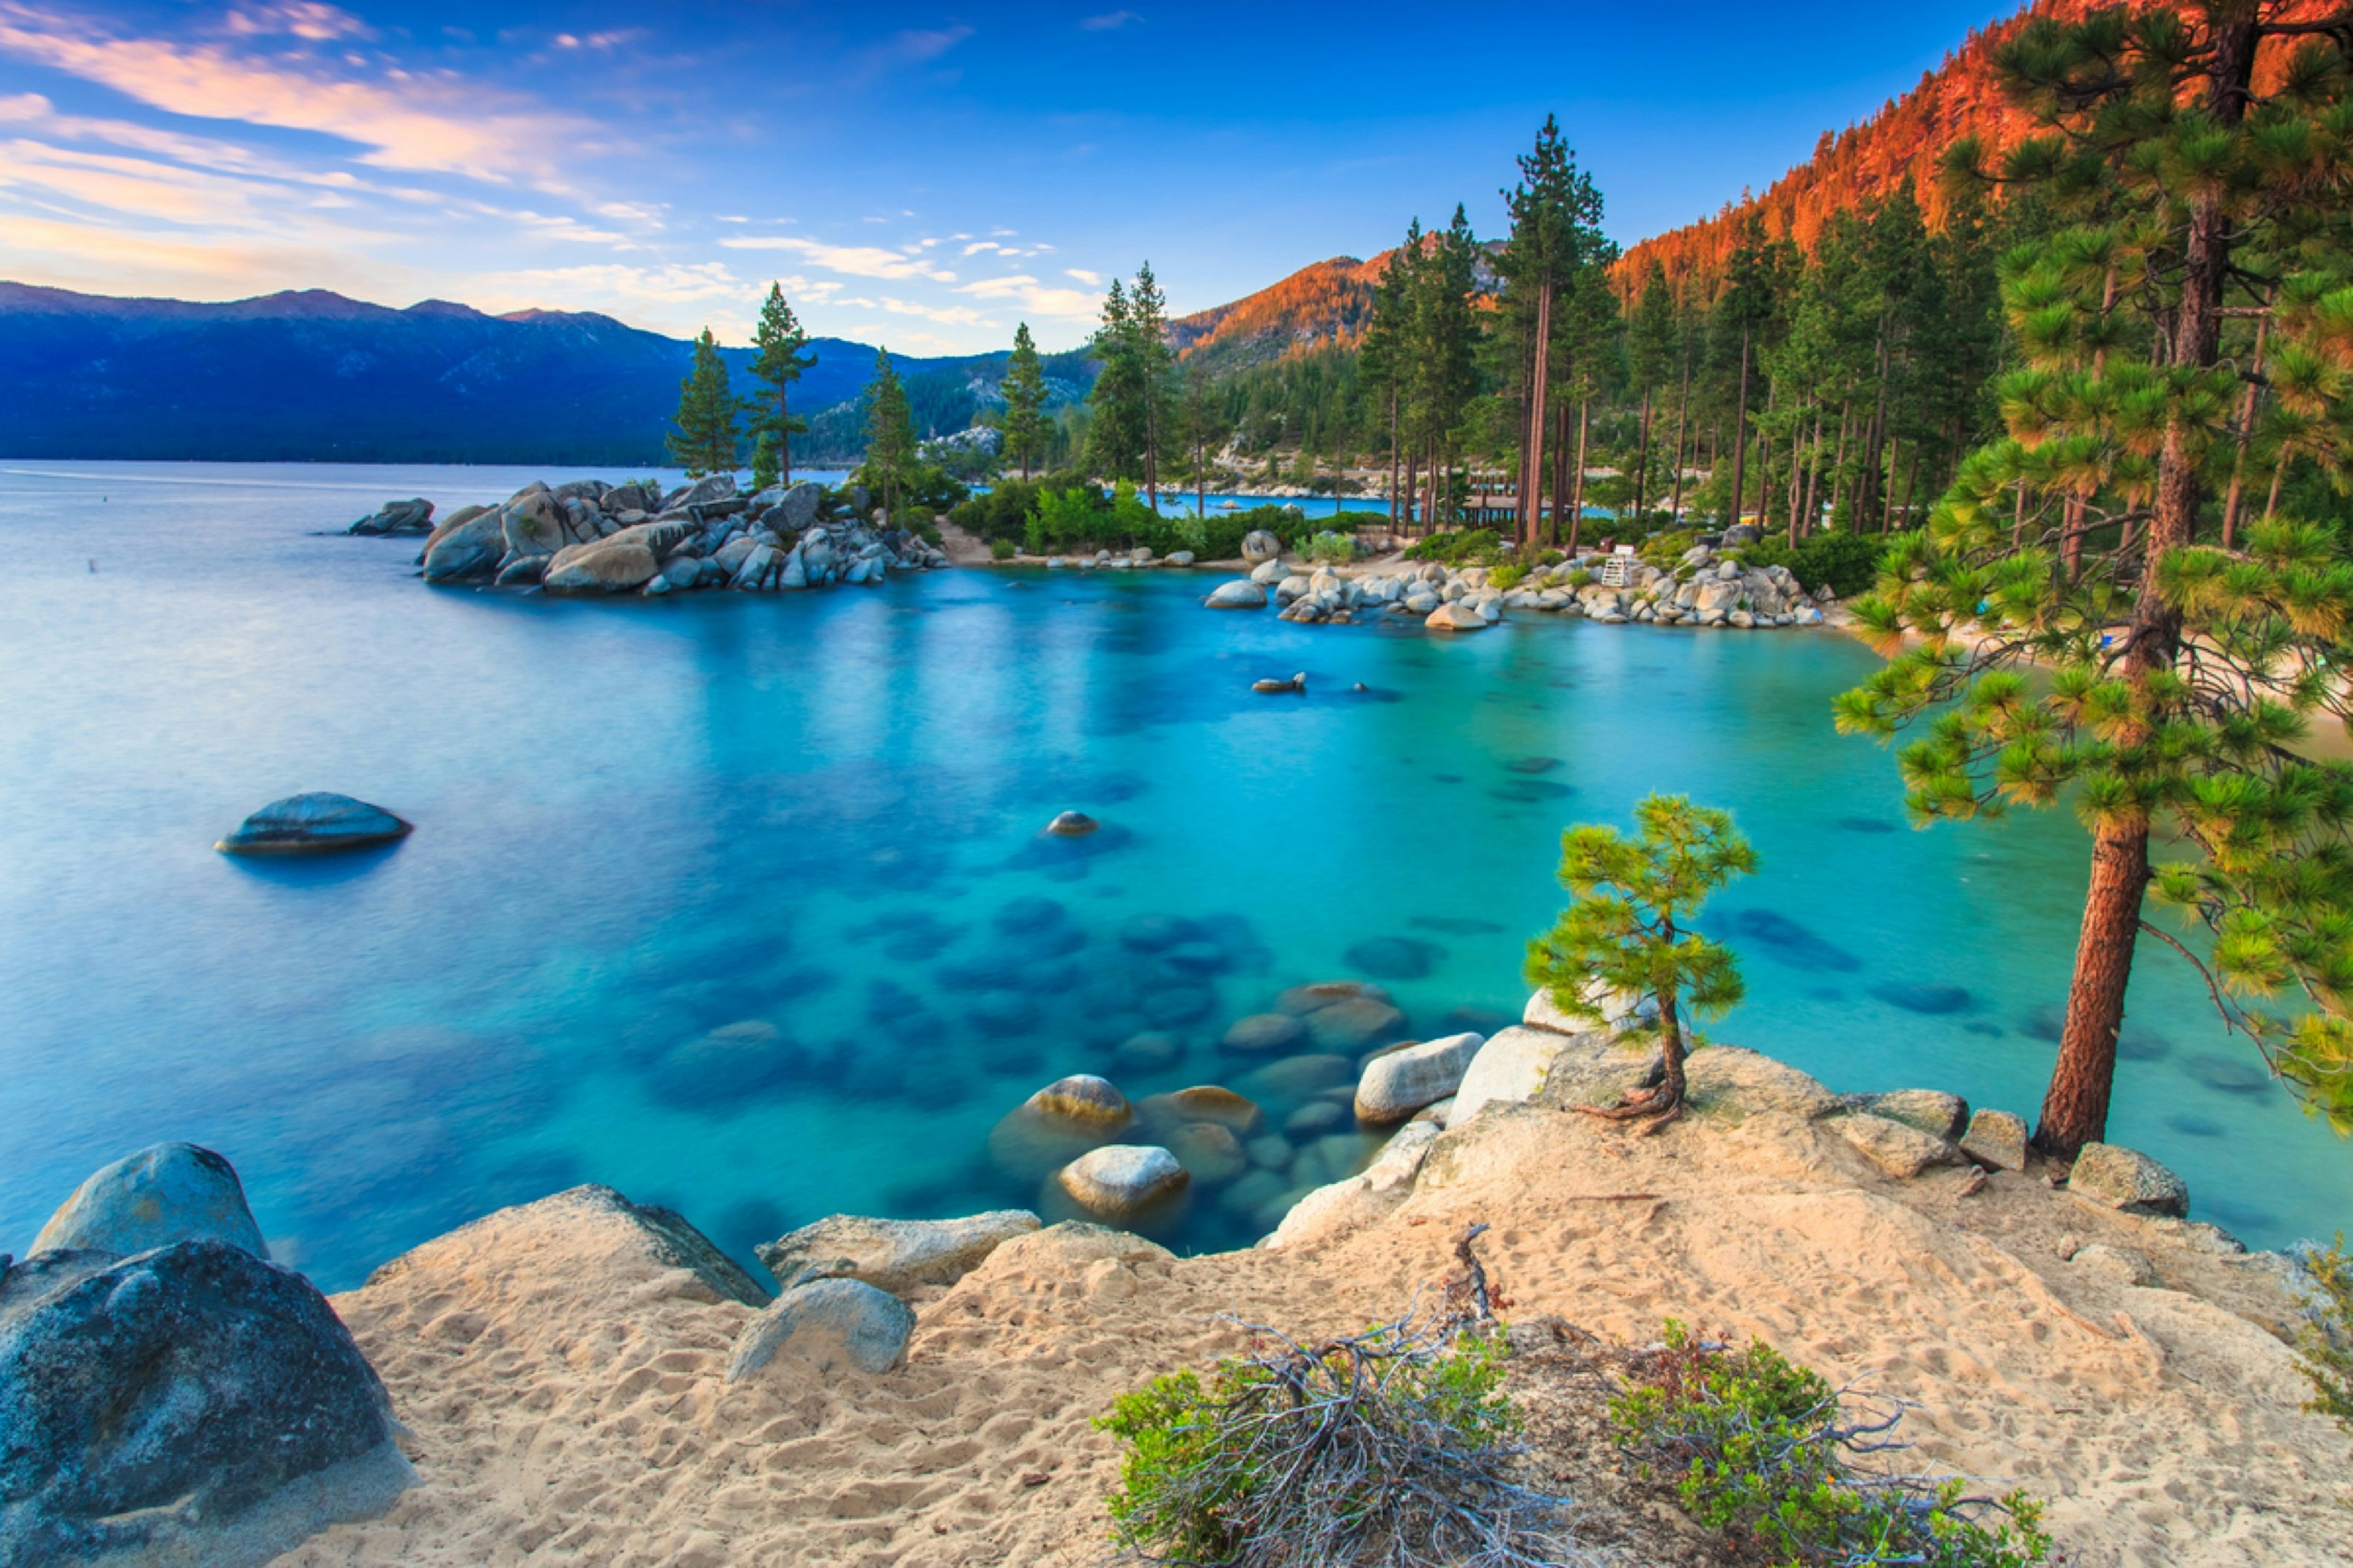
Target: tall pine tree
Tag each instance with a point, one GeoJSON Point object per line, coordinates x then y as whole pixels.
{"type": "Point", "coordinates": [1024, 391]}
{"type": "Point", "coordinates": [890, 437]}
{"type": "Point", "coordinates": [702, 437]}
{"type": "Point", "coordinates": [778, 363]}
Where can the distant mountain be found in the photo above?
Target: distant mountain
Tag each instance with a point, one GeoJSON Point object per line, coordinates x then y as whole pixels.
{"type": "Point", "coordinates": [311, 375]}
{"type": "Point", "coordinates": [1324, 305]}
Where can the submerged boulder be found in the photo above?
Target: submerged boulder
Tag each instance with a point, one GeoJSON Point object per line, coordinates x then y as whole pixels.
{"type": "Point", "coordinates": [164, 1194]}
{"type": "Point", "coordinates": [317, 822]}
{"type": "Point", "coordinates": [192, 1404]}
{"type": "Point", "coordinates": [893, 1255]}
{"type": "Point", "coordinates": [1121, 1181]}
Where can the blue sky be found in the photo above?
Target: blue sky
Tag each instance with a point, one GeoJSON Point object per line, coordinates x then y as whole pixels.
{"type": "Point", "coordinates": [922, 175]}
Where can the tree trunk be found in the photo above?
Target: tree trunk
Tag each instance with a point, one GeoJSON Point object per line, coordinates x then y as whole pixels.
{"type": "Point", "coordinates": [2075, 1107]}
{"type": "Point", "coordinates": [1642, 462]}
{"type": "Point", "coordinates": [1740, 437]}
{"type": "Point", "coordinates": [1683, 418]}
{"type": "Point", "coordinates": [1539, 392]}
{"type": "Point", "coordinates": [1393, 460]}
{"type": "Point", "coordinates": [1671, 1053]}
{"type": "Point", "coordinates": [784, 439]}
{"type": "Point", "coordinates": [1911, 483]}
{"type": "Point", "coordinates": [1576, 488]}
{"type": "Point", "coordinates": [2246, 430]}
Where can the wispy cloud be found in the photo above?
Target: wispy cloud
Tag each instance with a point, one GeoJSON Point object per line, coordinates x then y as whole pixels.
{"type": "Point", "coordinates": [918, 45]}
{"type": "Point", "coordinates": [1109, 22]}
{"type": "Point", "coordinates": [852, 260]}
{"type": "Point", "coordinates": [296, 19]}
{"type": "Point", "coordinates": [1039, 298]}
{"type": "Point", "coordinates": [435, 123]}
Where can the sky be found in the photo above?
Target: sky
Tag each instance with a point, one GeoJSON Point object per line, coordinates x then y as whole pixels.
{"type": "Point", "coordinates": [920, 175]}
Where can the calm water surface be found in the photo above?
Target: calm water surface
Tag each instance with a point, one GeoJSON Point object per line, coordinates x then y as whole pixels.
{"type": "Point", "coordinates": [817, 816]}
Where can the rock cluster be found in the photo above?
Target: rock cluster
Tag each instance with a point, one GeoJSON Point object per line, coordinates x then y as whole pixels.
{"type": "Point", "coordinates": [1704, 589]}
{"type": "Point", "coordinates": [415, 516]}
{"type": "Point", "coordinates": [168, 1396]}
{"type": "Point", "coordinates": [588, 537]}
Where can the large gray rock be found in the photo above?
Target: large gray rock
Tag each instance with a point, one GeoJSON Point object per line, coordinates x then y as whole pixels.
{"type": "Point", "coordinates": [1261, 1034]}
{"type": "Point", "coordinates": [1932, 1110]}
{"type": "Point", "coordinates": [1898, 1148]}
{"type": "Point", "coordinates": [188, 1405]}
{"type": "Point", "coordinates": [1995, 1137]}
{"type": "Point", "coordinates": [616, 565]}
{"type": "Point", "coordinates": [1237, 594]}
{"type": "Point", "coordinates": [1455, 617]}
{"type": "Point", "coordinates": [319, 822]}
{"type": "Point", "coordinates": [414, 516]}
{"type": "Point", "coordinates": [797, 510]}
{"type": "Point", "coordinates": [1259, 545]}
{"type": "Point", "coordinates": [1121, 1181]}
{"type": "Point", "coordinates": [2126, 1179]}
{"type": "Point", "coordinates": [164, 1194]}
{"type": "Point", "coordinates": [824, 1326]}
{"type": "Point", "coordinates": [1397, 1083]}
{"type": "Point", "coordinates": [468, 552]}
{"type": "Point", "coordinates": [597, 1233]}
{"type": "Point", "coordinates": [1511, 1066]}
{"type": "Point", "coordinates": [893, 1255]}
{"type": "Point", "coordinates": [1744, 1082]}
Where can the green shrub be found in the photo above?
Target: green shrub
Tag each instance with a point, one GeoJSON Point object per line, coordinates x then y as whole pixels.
{"type": "Point", "coordinates": [1764, 1445]}
{"type": "Point", "coordinates": [1849, 562]}
{"type": "Point", "coordinates": [1002, 550]}
{"type": "Point", "coordinates": [1510, 574]}
{"type": "Point", "coordinates": [1392, 1448]}
{"type": "Point", "coordinates": [1328, 549]}
{"type": "Point", "coordinates": [2327, 1338]}
{"type": "Point", "coordinates": [1581, 578]}
{"type": "Point", "coordinates": [1473, 547]}
{"type": "Point", "coordinates": [1667, 547]}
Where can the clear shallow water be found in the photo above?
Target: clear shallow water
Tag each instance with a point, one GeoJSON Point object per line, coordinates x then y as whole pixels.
{"type": "Point", "coordinates": [640, 821]}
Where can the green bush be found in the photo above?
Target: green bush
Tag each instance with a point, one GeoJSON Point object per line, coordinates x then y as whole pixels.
{"type": "Point", "coordinates": [1510, 574]}
{"type": "Point", "coordinates": [1581, 578]}
{"type": "Point", "coordinates": [2327, 1338]}
{"type": "Point", "coordinates": [1329, 549]}
{"type": "Point", "coordinates": [1002, 550]}
{"type": "Point", "coordinates": [1392, 1448]}
{"type": "Point", "coordinates": [1665, 548]}
{"type": "Point", "coordinates": [1473, 547]}
{"type": "Point", "coordinates": [1849, 562]}
{"type": "Point", "coordinates": [1764, 1448]}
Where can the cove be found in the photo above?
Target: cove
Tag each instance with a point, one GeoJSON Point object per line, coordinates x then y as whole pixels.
{"type": "Point", "coordinates": [739, 903]}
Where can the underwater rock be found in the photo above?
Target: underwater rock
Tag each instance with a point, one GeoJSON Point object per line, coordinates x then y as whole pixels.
{"type": "Point", "coordinates": [1121, 1181]}
{"type": "Point", "coordinates": [318, 823]}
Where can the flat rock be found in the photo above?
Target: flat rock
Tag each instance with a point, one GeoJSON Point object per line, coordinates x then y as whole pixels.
{"type": "Point", "coordinates": [1932, 1110]}
{"type": "Point", "coordinates": [1238, 595]}
{"type": "Point", "coordinates": [1898, 1148]}
{"type": "Point", "coordinates": [1455, 617]}
{"type": "Point", "coordinates": [2120, 1178]}
{"type": "Point", "coordinates": [1397, 1083]}
{"type": "Point", "coordinates": [823, 1327]}
{"type": "Point", "coordinates": [318, 823]}
{"type": "Point", "coordinates": [893, 1255]}
{"type": "Point", "coordinates": [1122, 1181]}
{"type": "Point", "coordinates": [164, 1194]}
{"type": "Point", "coordinates": [1082, 1097]}
{"type": "Point", "coordinates": [615, 565]}
{"type": "Point", "coordinates": [1203, 1103]}
{"type": "Point", "coordinates": [1995, 1137]}
{"type": "Point", "coordinates": [1511, 1066]}
{"type": "Point", "coordinates": [1354, 1024]}
{"type": "Point", "coordinates": [191, 1404]}
{"type": "Point", "coordinates": [592, 1233]}
{"type": "Point", "coordinates": [1263, 1034]}
{"type": "Point", "coordinates": [1744, 1082]}
{"type": "Point", "coordinates": [2115, 1265]}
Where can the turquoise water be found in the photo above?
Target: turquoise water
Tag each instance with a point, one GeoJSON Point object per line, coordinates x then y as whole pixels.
{"type": "Point", "coordinates": [641, 821]}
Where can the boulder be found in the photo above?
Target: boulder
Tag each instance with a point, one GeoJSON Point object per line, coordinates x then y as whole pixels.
{"type": "Point", "coordinates": [1073, 825]}
{"type": "Point", "coordinates": [467, 552]}
{"type": "Point", "coordinates": [1082, 1098]}
{"type": "Point", "coordinates": [615, 565]}
{"type": "Point", "coordinates": [1456, 617]}
{"type": "Point", "coordinates": [2120, 1178]}
{"type": "Point", "coordinates": [1397, 1083]}
{"type": "Point", "coordinates": [397, 517]}
{"type": "Point", "coordinates": [1263, 1034]}
{"type": "Point", "coordinates": [164, 1194]}
{"type": "Point", "coordinates": [318, 823]}
{"type": "Point", "coordinates": [2115, 1265]}
{"type": "Point", "coordinates": [893, 1255]}
{"type": "Point", "coordinates": [1995, 1137]}
{"type": "Point", "coordinates": [1122, 1181]}
{"type": "Point", "coordinates": [1511, 1066]}
{"type": "Point", "coordinates": [1299, 1001]}
{"type": "Point", "coordinates": [1180, 558]}
{"type": "Point", "coordinates": [534, 527]}
{"type": "Point", "coordinates": [1202, 1102]}
{"type": "Point", "coordinates": [1259, 546]}
{"type": "Point", "coordinates": [1932, 1110]}
{"type": "Point", "coordinates": [1900, 1150]}
{"type": "Point", "coordinates": [1210, 1153]}
{"type": "Point", "coordinates": [1238, 595]}
{"type": "Point", "coordinates": [455, 521]}
{"type": "Point", "coordinates": [1354, 1024]}
{"type": "Point", "coordinates": [1358, 1200]}
{"type": "Point", "coordinates": [824, 1327]}
{"type": "Point", "coordinates": [796, 509]}
{"type": "Point", "coordinates": [596, 1233]}
{"type": "Point", "coordinates": [188, 1404]}
{"type": "Point", "coordinates": [1267, 573]}
{"type": "Point", "coordinates": [1728, 1077]}
{"type": "Point", "coordinates": [1270, 685]}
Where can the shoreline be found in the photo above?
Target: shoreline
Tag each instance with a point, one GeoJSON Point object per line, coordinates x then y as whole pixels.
{"type": "Point", "coordinates": [2129, 1368]}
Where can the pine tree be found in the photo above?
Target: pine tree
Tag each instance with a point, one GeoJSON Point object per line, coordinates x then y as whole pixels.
{"type": "Point", "coordinates": [1651, 351]}
{"type": "Point", "coordinates": [890, 436]}
{"type": "Point", "coordinates": [1381, 365]}
{"type": "Point", "coordinates": [1115, 436]}
{"type": "Point", "coordinates": [1627, 934]}
{"type": "Point", "coordinates": [702, 440]}
{"type": "Point", "coordinates": [1155, 364]}
{"type": "Point", "coordinates": [2201, 154]}
{"type": "Point", "coordinates": [778, 363]}
{"type": "Point", "coordinates": [1024, 391]}
{"type": "Point", "coordinates": [1556, 249]}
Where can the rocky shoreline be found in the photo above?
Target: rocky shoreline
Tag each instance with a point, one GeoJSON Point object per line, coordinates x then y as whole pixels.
{"type": "Point", "coordinates": [586, 537]}
{"type": "Point", "coordinates": [1904, 1217]}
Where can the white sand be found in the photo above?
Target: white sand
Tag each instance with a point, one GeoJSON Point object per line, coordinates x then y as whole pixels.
{"type": "Point", "coordinates": [568, 1406]}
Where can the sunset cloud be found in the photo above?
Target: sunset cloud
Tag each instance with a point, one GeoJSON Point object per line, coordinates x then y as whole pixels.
{"type": "Point", "coordinates": [852, 260]}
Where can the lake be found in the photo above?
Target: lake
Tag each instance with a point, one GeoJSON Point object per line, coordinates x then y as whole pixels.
{"type": "Point", "coordinates": [739, 903]}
